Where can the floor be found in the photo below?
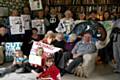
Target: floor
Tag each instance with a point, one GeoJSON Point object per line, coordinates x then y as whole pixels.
{"type": "Point", "coordinates": [102, 72]}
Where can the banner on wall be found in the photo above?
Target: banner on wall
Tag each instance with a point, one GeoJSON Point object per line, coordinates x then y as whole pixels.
{"type": "Point", "coordinates": [35, 4]}
{"type": "Point", "coordinates": [39, 24]}
{"type": "Point", "coordinates": [10, 47]}
{"type": "Point", "coordinates": [108, 25]}
{"type": "Point", "coordinates": [26, 21]}
{"type": "Point", "coordinates": [16, 25]}
{"type": "Point", "coordinates": [48, 49]}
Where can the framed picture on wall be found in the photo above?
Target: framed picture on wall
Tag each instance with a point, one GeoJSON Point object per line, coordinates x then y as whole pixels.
{"type": "Point", "coordinates": [35, 4]}
{"type": "Point", "coordinates": [4, 11]}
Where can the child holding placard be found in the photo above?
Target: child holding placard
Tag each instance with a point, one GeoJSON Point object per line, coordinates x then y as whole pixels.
{"type": "Point", "coordinates": [51, 72]}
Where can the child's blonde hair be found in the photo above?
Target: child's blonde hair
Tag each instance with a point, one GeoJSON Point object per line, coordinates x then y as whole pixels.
{"type": "Point", "coordinates": [50, 34]}
{"type": "Point", "coordinates": [72, 37]}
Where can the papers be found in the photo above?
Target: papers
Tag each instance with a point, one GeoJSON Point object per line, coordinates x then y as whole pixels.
{"type": "Point", "coordinates": [35, 59]}
{"type": "Point", "coordinates": [39, 24]}
{"type": "Point", "coordinates": [16, 25]}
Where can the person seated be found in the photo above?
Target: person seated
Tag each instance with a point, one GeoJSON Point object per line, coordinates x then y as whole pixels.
{"type": "Point", "coordinates": [60, 43]}
{"type": "Point", "coordinates": [19, 62]}
{"type": "Point", "coordinates": [49, 37]}
{"type": "Point", "coordinates": [51, 72]}
{"type": "Point", "coordinates": [85, 46]}
{"type": "Point", "coordinates": [71, 42]}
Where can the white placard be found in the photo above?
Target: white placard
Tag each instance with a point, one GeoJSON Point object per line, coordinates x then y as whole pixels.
{"type": "Point", "coordinates": [16, 25]}
{"type": "Point", "coordinates": [35, 59]}
{"type": "Point", "coordinates": [35, 4]}
{"type": "Point", "coordinates": [39, 24]}
{"type": "Point", "coordinates": [26, 21]}
{"type": "Point", "coordinates": [48, 49]}
{"type": "Point", "coordinates": [65, 26]}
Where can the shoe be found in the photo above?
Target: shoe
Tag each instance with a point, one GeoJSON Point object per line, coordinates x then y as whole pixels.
{"type": "Point", "coordinates": [2, 73]}
{"type": "Point", "coordinates": [116, 71]}
{"type": "Point", "coordinates": [20, 70]}
{"type": "Point", "coordinates": [62, 72]}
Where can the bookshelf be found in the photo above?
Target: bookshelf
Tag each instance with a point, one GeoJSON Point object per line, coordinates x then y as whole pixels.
{"type": "Point", "coordinates": [86, 5]}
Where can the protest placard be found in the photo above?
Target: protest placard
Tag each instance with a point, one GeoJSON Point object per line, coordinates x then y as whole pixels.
{"type": "Point", "coordinates": [26, 21]}
{"type": "Point", "coordinates": [48, 49]}
{"type": "Point", "coordinates": [39, 24]}
{"type": "Point", "coordinates": [16, 25]}
{"type": "Point", "coordinates": [10, 47]}
{"type": "Point", "coordinates": [33, 59]}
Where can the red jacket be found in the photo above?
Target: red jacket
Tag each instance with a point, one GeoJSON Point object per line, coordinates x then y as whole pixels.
{"type": "Point", "coordinates": [53, 71]}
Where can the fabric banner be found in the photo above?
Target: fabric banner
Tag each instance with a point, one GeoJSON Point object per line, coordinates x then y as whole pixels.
{"type": "Point", "coordinates": [16, 25]}
{"type": "Point", "coordinates": [35, 59]}
{"type": "Point", "coordinates": [39, 24]}
{"type": "Point", "coordinates": [48, 49]}
{"type": "Point", "coordinates": [26, 21]}
{"type": "Point", "coordinates": [35, 4]}
{"type": "Point", "coordinates": [10, 47]}
{"type": "Point", "coordinates": [108, 25]}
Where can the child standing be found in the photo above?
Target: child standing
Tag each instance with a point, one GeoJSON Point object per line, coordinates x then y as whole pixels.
{"type": "Point", "coordinates": [51, 72]}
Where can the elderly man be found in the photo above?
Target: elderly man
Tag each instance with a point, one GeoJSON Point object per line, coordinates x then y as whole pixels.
{"type": "Point", "coordinates": [85, 46]}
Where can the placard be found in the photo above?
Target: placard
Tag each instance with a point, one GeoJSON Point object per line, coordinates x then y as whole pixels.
{"type": "Point", "coordinates": [10, 48]}
{"type": "Point", "coordinates": [39, 24]}
{"type": "Point", "coordinates": [16, 25]}
{"type": "Point", "coordinates": [48, 49]}
{"type": "Point", "coordinates": [26, 21]}
{"type": "Point", "coordinates": [35, 59]}
{"type": "Point", "coordinates": [35, 4]}
{"type": "Point", "coordinates": [65, 26]}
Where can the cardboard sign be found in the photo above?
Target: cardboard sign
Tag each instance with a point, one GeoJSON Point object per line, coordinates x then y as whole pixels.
{"type": "Point", "coordinates": [26, 21]}
{"type": "Point", "coordinates": [35, 59]}
{"type": "Point", "coordinates": [39, 24]}
{"type": "Point", "coordinates": [35, 4]}
{"type": "Point", "coordinates": [16, 25]}
{"type": "Point", "coordinates": [48, 49]}
{"type": "Point", "coordinates": [10, 48]}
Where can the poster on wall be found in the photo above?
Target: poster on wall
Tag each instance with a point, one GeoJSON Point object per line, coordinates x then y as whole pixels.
{"type": "Point", "coordinates": [39, 24]}
{"type": "Point", "coordinates": [35, 4]}
{"type": "Point", "coordinates": [108, 25]}
{"type": "Point", "coordinates": [16, 25]}
{"type": "Point", "coordinates": [26, 21]}
{"type": "Point", "coordinates": [10, 47]}
{"type": "Point", "coordinates": [4, 11]}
